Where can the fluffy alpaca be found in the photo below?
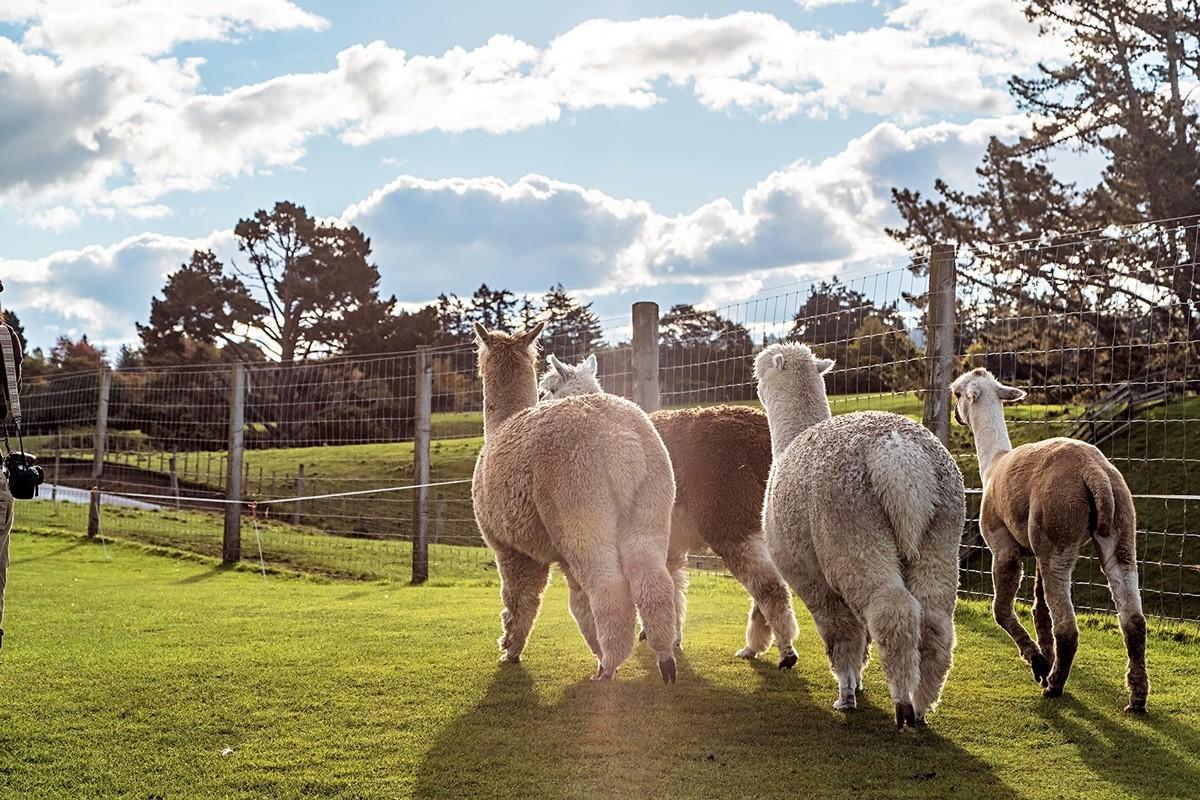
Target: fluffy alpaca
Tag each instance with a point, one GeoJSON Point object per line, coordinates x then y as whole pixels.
{"type": "Point", "coordinates": [721, 456]}
{"type": "Point", "coordinates": [1046, 499]}
{"type": "Point", "coordinates": [584, 482]}
{"type": "Point", "coordinates": [863, 516]}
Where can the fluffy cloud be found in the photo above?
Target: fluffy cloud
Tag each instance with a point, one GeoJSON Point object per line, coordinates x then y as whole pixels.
{"type": "Point", "coordinates": [433, 236]}
{"type": "Point", "coordinates": [95, 128]}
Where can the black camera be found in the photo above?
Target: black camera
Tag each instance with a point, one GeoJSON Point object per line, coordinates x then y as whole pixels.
{"type": "Point", "coordinates": [24, 475]}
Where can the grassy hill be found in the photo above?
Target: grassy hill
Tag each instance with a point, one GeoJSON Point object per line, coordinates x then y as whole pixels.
{"type": "Point", "coordinates": [142, 676]}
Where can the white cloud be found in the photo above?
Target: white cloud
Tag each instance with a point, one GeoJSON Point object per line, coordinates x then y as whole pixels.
{"type": "Point", "coordinates": [449, 235]}
{"type": "Point", "coordinates": [103, 128]}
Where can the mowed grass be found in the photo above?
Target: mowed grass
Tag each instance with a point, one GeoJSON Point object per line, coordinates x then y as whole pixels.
{"type": "Point", "coordinates": [130, 677]}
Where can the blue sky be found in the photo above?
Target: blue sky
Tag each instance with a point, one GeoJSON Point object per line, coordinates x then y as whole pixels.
{"type": "Point", "coordinates": [664, 150]}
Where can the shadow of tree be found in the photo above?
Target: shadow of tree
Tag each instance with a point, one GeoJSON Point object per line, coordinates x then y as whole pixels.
{"type": "Point", "coordinates": [52, 554]}
{"type": "Point", "coordinates": [698, 738]}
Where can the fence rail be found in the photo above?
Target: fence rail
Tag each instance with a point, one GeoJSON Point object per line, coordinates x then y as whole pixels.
{"type": "Point", "coordinates": [361, 466]}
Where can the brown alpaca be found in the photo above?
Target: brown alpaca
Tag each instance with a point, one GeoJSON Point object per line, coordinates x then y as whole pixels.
{"type": "Point", "coordinates": [1046, 499]}
{"type": "Point", "coordinates": [585, 482]}
{"type": "Point", "coordinates": [721, 456]}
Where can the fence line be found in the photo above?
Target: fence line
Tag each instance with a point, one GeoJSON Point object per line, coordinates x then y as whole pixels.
{"type": "Point", "coordinates": [1103, 332]}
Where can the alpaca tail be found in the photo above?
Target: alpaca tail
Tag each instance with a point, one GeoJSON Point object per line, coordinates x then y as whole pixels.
{"type": "Point", "coordinates": [902, 474]}
{"type": "Point", "coordinates": [1099, 486]}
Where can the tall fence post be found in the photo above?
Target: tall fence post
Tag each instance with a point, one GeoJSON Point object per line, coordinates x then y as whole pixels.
{"type": "Point", "coordinates": [174, 462]}
{"type": "Point", "coordinates": [101, 449]}
{"type": "Point", "coordinates": [421, 436]}
{"type": "Point", "coordinates": [299, 493]}
{"type": "Point", "coordinates": [939, 340]}
{"type": "Point", "coordinates": [231, 549]}
{"type": "Point", "coordinates": [645, 356]}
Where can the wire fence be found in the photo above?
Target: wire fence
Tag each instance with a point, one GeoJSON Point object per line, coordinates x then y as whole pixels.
{"type": "Point", "coordinates": [1101, 329]}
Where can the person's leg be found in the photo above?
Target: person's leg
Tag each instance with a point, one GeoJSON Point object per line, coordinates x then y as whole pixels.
{"type": "Point", "coordinates": [6, 514]}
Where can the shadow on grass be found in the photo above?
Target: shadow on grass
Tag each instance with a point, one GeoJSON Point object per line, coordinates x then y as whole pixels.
{"type": "Point", "coordinates": [1126, 751]}
{"type": "Point", "coordinates": [636, 738]}
{"type": "Point", "coordinates": [212, 572]}
{"type": "Point", "coordinates": [51, 554]}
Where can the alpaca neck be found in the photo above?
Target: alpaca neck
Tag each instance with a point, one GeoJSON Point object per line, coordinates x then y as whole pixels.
{"type": "Point", "coordinates": [991, 437]}
{"type": "Point", "coordinates": [787, 421]}
{"type": "Point", "coordinates": [499, 406]}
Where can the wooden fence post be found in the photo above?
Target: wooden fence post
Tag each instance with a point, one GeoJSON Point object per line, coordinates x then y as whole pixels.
{"type": "Point", "coordinates": [645, 356]}
{"type": "Point", "coordinates": [299, 494]}
{"type": "Point", "coordinates": [939, 340]}
{"type": "Point", "coordinates": [174, 463]}
{"type": "Point", "coordinates": [231, 549]}
{"type": "Point", "coordinates": [424, 427]}
{"type": "Point", "coordinates": [101, 449]}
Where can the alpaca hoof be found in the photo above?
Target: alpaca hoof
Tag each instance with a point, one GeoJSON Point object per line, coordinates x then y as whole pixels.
{"type": "Point", "coordinates": [642, 635]}
{"type": "Point", "coordinates": [847, 703]}
{"type": "Point", "coordinates": [860, 689]}
{"type": "Point", "coordinates": [905, 715]}
{"type": "Point", "coordinates": [1040, 667]}
{"type": "Point", "coordinates": [1052, 691]}
{"type": "Point", "coordinates": [788, 661]}
{"type": "Point", "coordinates": [747, 654]}
{"type": "Point", "coordinates": [666, 668]}
{"type": "Point", "coordinates": [1136, 708]}
{"type": "Point", "coordinates": [604, 675]}
{"type": "Point", "coordinates": [505, 658]}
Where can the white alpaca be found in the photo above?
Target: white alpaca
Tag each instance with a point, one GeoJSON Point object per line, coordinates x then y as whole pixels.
{"type": "Point", "coordinates": [721, 456]}
{"type": "Point", "coordinates": [863, 516]}
{"type": "Point", "coordinates": [585, 483]}
{"type": "Point", "coordinates": [1048, 498]}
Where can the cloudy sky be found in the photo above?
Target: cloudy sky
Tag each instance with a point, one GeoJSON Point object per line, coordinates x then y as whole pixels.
{"type": "Point", "coordinates": [660, 149]}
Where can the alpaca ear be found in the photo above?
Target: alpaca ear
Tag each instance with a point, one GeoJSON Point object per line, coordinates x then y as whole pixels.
{"type": "Point", "coordinates": [559, 367]}
{"type": "Point", "coordinates": [777, 361]}
{"type": "Point", "coordinates": [1010, 394]}
{"type": "Point", "coordinates": [530, 336]}
{"type": "Point", "coordinates": [482, 336]}
{"type": "Point", "coordinates": [824, 365]}
{"type": "Point", "coordinates": [589, 364]}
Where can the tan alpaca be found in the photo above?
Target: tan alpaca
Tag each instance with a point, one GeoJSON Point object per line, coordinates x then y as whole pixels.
{"type": "Point", "coordinates": [1046, 499]}
{"type": "Point", "coordinates": [863, 516]}
{"type": "Point", "coordinates": [721, 456]}
{"type": "Point", "coordinates": [585, 482]}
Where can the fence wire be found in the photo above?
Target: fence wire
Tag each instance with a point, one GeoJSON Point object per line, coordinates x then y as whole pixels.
{"type": "Point", "coordinates": [1102, 330]}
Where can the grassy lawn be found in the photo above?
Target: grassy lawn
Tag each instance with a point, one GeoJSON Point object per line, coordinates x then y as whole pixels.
{"type": "Point", "coordinates": [129, 677]}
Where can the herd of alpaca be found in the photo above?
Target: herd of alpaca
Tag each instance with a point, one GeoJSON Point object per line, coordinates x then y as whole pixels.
{"type": "Point", "coordinates": [861, 514]}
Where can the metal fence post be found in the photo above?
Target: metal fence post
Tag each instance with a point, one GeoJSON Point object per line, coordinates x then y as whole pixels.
{"type": "Point", "coordinates": [174, 463]}
{"type": "Point", "coordinates": [101, 449]}
{"type": "Point", "coordinates": [939, 340]}
{"type": "Point", "coordinates": [231, 549]}
{"type": "Point", "coordinates": [421, 436]}
{"type": "Point", "coordinates": [645, 356]}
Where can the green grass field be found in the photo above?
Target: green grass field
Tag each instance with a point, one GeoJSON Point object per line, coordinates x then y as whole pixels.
{"type": "Point", "coordinates": [130, 677]}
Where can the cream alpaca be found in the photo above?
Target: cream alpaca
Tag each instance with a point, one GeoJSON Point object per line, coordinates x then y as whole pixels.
{"type": "Point", "coordinates": [721, 456]}
{"type": "Point", "coordinates": [863, 516]}
{"type": "Point", "coordinates": [586, 483]}
{"type": "Point", "coordinates": [1047, 498]}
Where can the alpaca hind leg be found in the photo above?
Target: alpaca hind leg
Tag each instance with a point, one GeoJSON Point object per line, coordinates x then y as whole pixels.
{"type": "Point", "coordinates": [1056, 572]}
{"type": "Point", "coordinates": [1041, 619]}
{"type": "Point", "coordinates": [581, 611]}
{"type": "Point", "coordinates": [933, 581]}
{"type": "Point", "coordinates": [644, 563]}
{"type": "Point", "coordinates": [522, 581]}
{"type": "Point", "coordinates": [845, 638]}
{"type": "Point", "coordinates": [752, 566]}
{"type": "Point", "coordinates": [758, 633]}
{"type": "Point", "coordinates": [893, 618]}
{"type": "Point", "coordinates": [1120, 566]}
{"type": "Point", "coordinates": [1006, 580]}
{"type": "Point", "coordinates": [677, 566]}
{"type": "Point", "coordinates": [612, 609]}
